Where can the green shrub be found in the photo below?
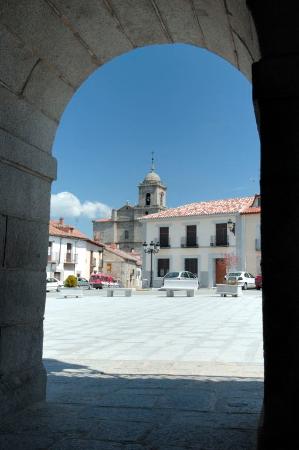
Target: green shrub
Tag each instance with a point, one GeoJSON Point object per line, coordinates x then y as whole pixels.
{"type": "Point", "coordinates": [71, 281]}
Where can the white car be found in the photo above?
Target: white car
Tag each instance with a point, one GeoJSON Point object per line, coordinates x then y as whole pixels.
{"type": "Point", "coordinates": [53, 284]}
{"type": "Point", "coordinates": [180, 280]}
{"type": "Point", "coordinates": [244, 279]}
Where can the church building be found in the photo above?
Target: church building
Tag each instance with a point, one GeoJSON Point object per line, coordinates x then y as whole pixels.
{"type": "Point", "coordinates": [123, 229]}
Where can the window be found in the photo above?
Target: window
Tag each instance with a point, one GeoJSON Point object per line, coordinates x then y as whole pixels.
{"type": "Point", "coordinates": [191, 265]}
{"type": "Point", "coordinates": [164, 237]}
{"type": "Point", "coordinates": [148, 199]}
{"type": "Point", "coordinates": [221, 234]}
{"type": "Point", "coordinates": [163, 267]}
{"type": "Point", "coordinates": [191, 236]}
{"type": "Point", "coordinates": [126, 234]}
{"type": "Point", "coordinates": [109, 267]}
{"type": "Point", "coordinates": [68, 253]}
{"type": "Point", "coordinates": [50, 251]}
{"type": "Point", "coordinates": [162, 198]}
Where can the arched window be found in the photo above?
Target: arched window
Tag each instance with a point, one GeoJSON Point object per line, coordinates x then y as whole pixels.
{"type": "Point", "coordinates": [162, 199]}
{"type": "Point", "coordinates": [148, 199]}
{"type": "Point", "coordinates": [126, 234]}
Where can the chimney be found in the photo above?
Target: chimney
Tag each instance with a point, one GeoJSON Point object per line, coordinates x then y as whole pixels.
{"type": "Point", "coordinates": [61, 221]}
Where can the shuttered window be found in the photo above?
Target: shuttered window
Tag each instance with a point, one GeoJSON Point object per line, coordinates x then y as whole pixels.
{"type": "Point", "coordinates": [164, 236]}
{"type": "Point", "coordinates": [163, 267]}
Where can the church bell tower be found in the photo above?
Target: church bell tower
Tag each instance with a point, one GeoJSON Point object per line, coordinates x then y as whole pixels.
{"type": "Point", "coordinates": [152, 193]}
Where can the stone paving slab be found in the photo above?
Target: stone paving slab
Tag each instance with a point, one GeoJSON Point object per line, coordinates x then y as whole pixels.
{"type": "Point", "coordinates": [157, 332]}
{"type": "Point", "coordinates": [147, 373]}
{"type": "Point", "coordinates": [137, 412]}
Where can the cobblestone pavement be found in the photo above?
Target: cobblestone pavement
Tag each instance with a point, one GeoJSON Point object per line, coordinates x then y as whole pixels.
{"type": "Point", "coordinates": [147, 372]}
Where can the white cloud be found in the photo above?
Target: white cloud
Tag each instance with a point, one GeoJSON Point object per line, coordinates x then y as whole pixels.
{"type": "Point", "coordinates": [66, 204]}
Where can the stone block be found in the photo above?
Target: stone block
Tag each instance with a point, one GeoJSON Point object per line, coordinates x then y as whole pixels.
{"type": "Point", "coordinates": [242, 25]}
{"type": "Point", "coordinates": [21, 119]}
{"type": "Point", "coordinates": [105, 38]}
{"type": "Point", "coordinates": [20, 347]}
{"type": "Point", "coordinates": [2, 239]}
{"type": "Point", "coordinates": [49, 37]}
{"type": "Point", "coordinates": [22, 296]}
{"type": "Point", "coordinates": [181, 21]}
{"type": "Point", "coordinates": [23, 194]}
{"type": "Point", "coordinates": [18, 390]}
{"type": "Point", "coordinates": [47, 91]}
{"type": "Point", "coordinates": [215, 27]}
{"type": "Point", "coordinates": [140, 21]}
{"type": "Point", "coordinates": [244, 58]}
{"type": "Point", "coordinates": [14, 54]}
{"type": "Point", "coordinates": [25, 156]}
{"type": "Point", "coordinates": [26, 244]}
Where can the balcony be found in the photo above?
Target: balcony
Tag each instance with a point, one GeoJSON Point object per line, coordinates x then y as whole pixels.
{"type": "Point", "coordinates": [53, 257]}
{"type": "Point", "coordinates": [164, 243]}
{"type": "Point", "coordinates": [188, 242]}
{"type": "Point", "coordinates": [71, 258]}
{"type": "Point", "coordinates": [219, 241]}
{"type": "Point", "coordinates": [258, 244]}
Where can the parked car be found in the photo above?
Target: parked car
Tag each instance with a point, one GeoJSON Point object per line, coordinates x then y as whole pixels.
{"type": "Point", "coordinates": [244, 279]}
{"type": "Point", "coordinates": [83, 283]}
{"type": "Point", "coordinates": [181, 280]}
{"type": "Point", "coordinates": [97, 280]}
{"type": "Point", "coordinates": [259, 282]}
{"type": "Point", "coordinates": [53, 284]}
{"type": "Point", "coordinates": [101, 280]}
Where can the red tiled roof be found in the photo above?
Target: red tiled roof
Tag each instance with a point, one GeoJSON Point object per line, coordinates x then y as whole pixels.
{"type": "Point", "coordinates": [226, 206]}
{"type": "Point", "coordinates": [57, 228]}
{"type": "Point", "coordinates": [252, 210]}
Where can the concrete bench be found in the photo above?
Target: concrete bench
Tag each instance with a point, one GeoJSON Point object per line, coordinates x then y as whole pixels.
{"type": "Point", "coordinates": [70, 292]}
{"type": "Point", "coordinates": [170, 292]}
{"type": "Point", "coordinates": [229, 289]}
{"type": "Point", "coordinates": [111, 290]}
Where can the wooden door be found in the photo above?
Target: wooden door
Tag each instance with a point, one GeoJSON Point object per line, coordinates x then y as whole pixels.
{"type": "Point", "coordinates": [220, 270]}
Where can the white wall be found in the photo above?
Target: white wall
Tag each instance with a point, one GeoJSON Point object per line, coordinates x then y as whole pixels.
{"type": "Point", "coordinates": [81, 265]}
{"type": "Point", "coordinates": [206, 255]}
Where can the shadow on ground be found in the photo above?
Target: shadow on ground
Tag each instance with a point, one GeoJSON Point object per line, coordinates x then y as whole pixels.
{"type": "Point", "coordinates": [89, 410]}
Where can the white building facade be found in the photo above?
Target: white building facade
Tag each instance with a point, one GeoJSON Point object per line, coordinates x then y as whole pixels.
{"type": "Point", "coordinates": [70, 252]}
{"type": "Point", "coordinates": [207, 238]}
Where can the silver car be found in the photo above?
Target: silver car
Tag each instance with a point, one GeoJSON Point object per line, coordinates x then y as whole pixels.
{"type": "Point", "coordinates": [181, 280]}
{"type": "Point", "coordinates": [53, 284]}
{"type": "Point", "coordinates": [242, 278]}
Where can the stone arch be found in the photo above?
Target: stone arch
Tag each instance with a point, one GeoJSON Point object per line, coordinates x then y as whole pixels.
{"type": "Point", "coordinates": [48, 48]}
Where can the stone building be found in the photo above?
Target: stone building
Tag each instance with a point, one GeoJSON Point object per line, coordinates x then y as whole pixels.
{"type": "Point", "coordinates": [124, 267]}
{"type": "Point", "coordinates": [124, 229]}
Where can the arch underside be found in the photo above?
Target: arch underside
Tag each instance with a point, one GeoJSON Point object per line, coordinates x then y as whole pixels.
{"type": "Point", "coordinates": [49, 47]}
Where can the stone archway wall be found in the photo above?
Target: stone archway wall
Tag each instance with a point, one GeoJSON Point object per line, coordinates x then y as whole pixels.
{"type": "Point", "coordinates": [48, 48]}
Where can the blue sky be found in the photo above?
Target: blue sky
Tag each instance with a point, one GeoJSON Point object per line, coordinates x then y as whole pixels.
{"type": "Point", "coordinates": [192, 108]}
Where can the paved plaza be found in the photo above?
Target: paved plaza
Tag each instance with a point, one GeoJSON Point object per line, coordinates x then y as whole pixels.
{"type": "Point", "coordinates": [147, 372]}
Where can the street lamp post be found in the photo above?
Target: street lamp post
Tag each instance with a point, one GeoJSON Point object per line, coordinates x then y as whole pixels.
{"type": "Point", "coordinates": [151, 248]}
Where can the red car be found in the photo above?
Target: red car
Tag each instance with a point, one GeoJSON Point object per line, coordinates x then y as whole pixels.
{"type": "Point", "coordinates": [258, 282]}
{"type": "Point", "coordinates": [100, 280]}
